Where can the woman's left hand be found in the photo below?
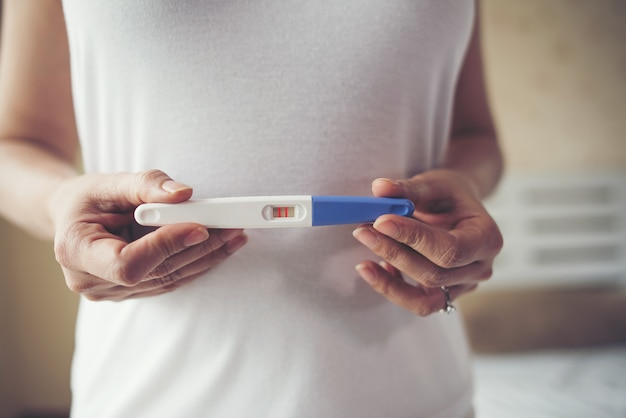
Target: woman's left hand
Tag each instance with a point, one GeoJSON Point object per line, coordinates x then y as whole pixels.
{"type": "Point", "coordinates": [450, 241]}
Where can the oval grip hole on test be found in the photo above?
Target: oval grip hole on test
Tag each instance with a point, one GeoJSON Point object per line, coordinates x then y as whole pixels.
{"type": "Point", "coordinates": [146, 216]}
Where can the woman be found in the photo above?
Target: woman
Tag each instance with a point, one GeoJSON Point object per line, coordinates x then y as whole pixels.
{"type": "Point", "coordinates": [240, 98]}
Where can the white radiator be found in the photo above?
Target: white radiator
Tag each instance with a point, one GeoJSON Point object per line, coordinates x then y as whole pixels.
{"type": "Point", "coordinates": [561, 228]}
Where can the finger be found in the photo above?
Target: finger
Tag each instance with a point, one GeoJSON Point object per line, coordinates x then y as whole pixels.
{"type": "Point", "coordinates": [217, 239]}
{"type": "Point", "coordinates": [471, 240]}
{"type": "Point", "coordinates": [419, 300]}
{"type": "Point", "coordinates": [427, 195]}
{"type": "Point", "coordinates": [179, 278]}
{"type": "Point", "coordinates": [134, 293]}
{"type": "Point", "coordinates": [124, 191]}
{"type": "Point", "coordinates": [390, 268]}
{"type": "Point", "coordinates": [417, 266]}
{"type": "Point", "coordinates": [383, 187]}
{"type": "Point", "coordinates": [97, 289]}
{"type": "Point", "coordinates": [459, 290]}
{"type": "Point", "coordinates": [119, 293]}
{"type": "Point", "coordinates": [113, 259]}
{"type": "Point", "coordinates": [80, 282]}
{"type": "Point", "coordinates": [197, 267]}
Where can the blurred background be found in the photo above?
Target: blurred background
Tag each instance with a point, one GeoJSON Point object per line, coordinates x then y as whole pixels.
{"type": "Point", "coordinates": [556, 74]}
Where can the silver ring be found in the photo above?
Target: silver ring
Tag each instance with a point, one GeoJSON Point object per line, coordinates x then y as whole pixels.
{"type": "Point", "coordinates": [449, 308]}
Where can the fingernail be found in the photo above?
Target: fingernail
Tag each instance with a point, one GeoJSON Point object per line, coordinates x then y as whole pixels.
{"type": "Point", "coordinates": [366, 273]}
{"type": "Point", "coordinates": [388, 227]}
{"type": "Point", "coordinates": [366, 237]}
{"type": "Point", "coordinates": [386, 180]}
{"type": "Point", "coordinates": [236, 243]}
{"type": "Point", "coordinates": [172, 186]}
{"type": "Point", "coordinates": [228, 234]}
{"type": "Point", "coordinates": [196, 237]}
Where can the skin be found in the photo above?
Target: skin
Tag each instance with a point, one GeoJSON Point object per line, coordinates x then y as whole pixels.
{"type": "Point", "coordinates": [88, 216]}
{"type": "Point", "coordinates": [451, 240]}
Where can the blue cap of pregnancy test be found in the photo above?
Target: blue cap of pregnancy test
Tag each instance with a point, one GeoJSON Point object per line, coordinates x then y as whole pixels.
{"type": "Point", "coordinates": [337, 210]}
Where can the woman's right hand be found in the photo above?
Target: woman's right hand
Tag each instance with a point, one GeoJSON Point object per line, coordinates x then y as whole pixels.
{"type": "Point", "coordinates": [102, 255]}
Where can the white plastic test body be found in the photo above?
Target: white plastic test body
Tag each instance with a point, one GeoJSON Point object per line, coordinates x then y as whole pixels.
{"type": "Point", "coordinates": [272, 211]}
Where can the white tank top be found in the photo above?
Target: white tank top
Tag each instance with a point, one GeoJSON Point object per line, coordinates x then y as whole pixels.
{"type": "Point", "coordinates": [268, 97]}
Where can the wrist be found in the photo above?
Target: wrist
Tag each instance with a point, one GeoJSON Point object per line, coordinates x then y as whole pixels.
{"type": "Point", "coordinates": [56, 199]}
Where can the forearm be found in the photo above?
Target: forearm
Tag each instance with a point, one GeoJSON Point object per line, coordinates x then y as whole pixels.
{"type": "Point", "coordinates": [473, 148]}
{"type": "Point", "coordinates": [38, 138]}
{"type": "Point", "coordinates": [477, 155]}
{"type": "Point", "coordinates": [29, 174]}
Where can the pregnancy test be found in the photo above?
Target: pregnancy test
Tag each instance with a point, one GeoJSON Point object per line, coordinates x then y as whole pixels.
{"type": "Point", "coordinates": [273, 211]}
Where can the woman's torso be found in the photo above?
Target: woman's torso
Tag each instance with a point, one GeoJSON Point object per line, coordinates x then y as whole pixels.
{"type": "Point", "coordinates": [268, 97]}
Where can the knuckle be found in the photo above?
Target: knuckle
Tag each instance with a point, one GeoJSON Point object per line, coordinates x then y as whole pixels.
{"type": "Point", "coordinates": [431, 275]}
{"type": "Point", "coordinates": [66, 243]}
{"type": "Point", "coordinates": [61, 252]}
{"type": "Point", "coordinates": [424, 309]}
{"type": "Point", "coordinates": [498, 241]}
{"type": "Point", "coordinates": [392, 253]}
{"type": "Point", "coordinates": [151, 176]}
{"type": "Point", "coordinates": [486, 274]}
{"type": "Point", "coordinates": [412, 236]}
{"type": "Point", "coordinates": [453, 255]}
{"type": "Point", "coordinates": [432, 304]}
{"type": "Point", "coordinates": [163, 269]}
{"type": "Point", "coordinates": [169, 280]}
{"type": "Point", "coordinates": [78, 285]}
{"type": "Point", "coordinates": [125, 274]}
{"type": "Point", "coordinates": [435, 306]}
{"type": "Point", "coordinates": [168, 248]}
{"type": "Point", "coordinates": [208, 246]}
{"type": "Point", "coordinates": [385, 289]}
{"type": "Point", "coordinates": [96, 297]}
{"type": "Point", "coordinates": [434, 277]}
{"type": "Point", "coordinates": [177, 282]}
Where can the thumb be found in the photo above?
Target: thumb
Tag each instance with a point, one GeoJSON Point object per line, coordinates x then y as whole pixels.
{"type": "Point", "coordinates": [426, 195]}
{"type": "Point", "coordinates": [133, 189]}
{"type": "Point", "coordinates": [383, 187]}
{"type": "Point", "coordinates": [156, 186]}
